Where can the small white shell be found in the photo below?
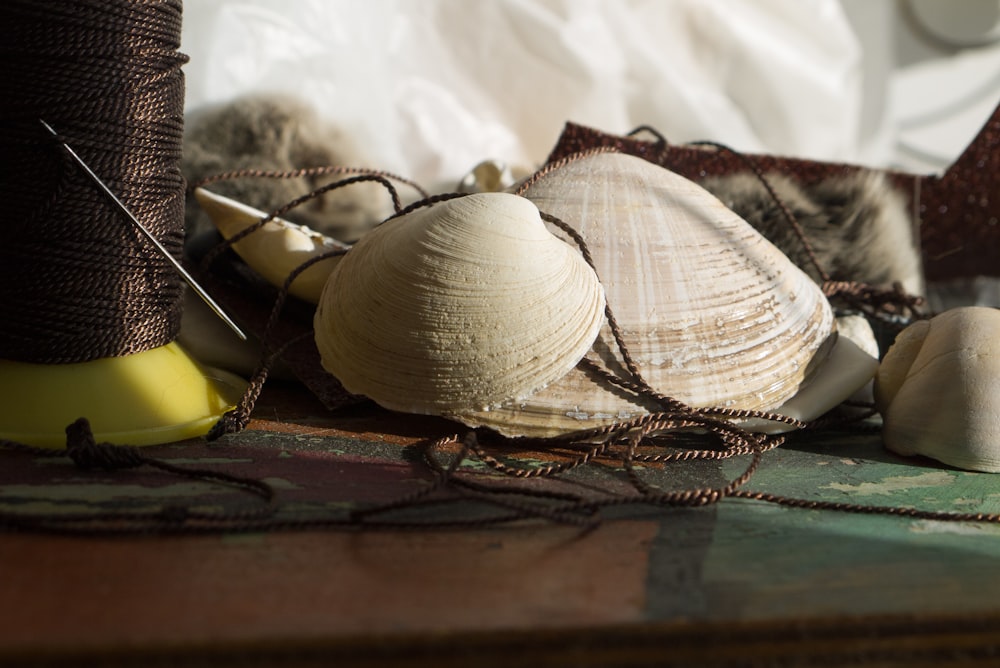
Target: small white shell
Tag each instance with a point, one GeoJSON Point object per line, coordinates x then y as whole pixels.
{"type": "Point", "coordinates": [857, 328]}
{"type": "Point", "coordinates": [458, 306]}
{"type": "Point", "coordinates": [489, 176]}
{"type": "Point", "coordinates": [277, 248]}
{"type": "Point", "coordinates": [938, 389]}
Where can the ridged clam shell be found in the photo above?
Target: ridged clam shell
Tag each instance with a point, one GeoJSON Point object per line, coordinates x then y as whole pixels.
{"type": "Point", "coordinates": [712, 313]}
{"type": "Point", "coordinates": [458, 306]}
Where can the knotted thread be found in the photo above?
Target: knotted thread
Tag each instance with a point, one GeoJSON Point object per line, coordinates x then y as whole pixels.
{"type": "Point", "coordinates": [86, 453]}
{"type": "Point", "coordinates": [76, 281]}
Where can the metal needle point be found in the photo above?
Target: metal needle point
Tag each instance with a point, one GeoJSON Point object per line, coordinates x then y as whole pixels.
{"type": "Point", "coordinates": [142, 228]}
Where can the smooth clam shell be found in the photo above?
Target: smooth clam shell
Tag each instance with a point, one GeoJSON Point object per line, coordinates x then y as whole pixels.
{"type": "Point", "coordinates": [938, 389]}
{"type": "Point", "coordinates": [458, 306]}
{"type": "Point", "coordinates": [712, 313]}
{"type": "Point", "coordinates": [276, 249]}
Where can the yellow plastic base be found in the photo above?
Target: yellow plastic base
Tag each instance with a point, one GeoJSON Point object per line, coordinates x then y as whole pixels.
{"type": "Point", "coordinates": [157, 396]}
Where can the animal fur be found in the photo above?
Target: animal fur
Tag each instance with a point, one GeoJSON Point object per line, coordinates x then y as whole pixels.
{"type": "Point", "coordinates": [857, 224]}
{"type": "Point", "coordinates": [278, 132]}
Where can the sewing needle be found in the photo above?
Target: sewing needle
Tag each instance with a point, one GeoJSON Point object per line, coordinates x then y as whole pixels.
{"type": "Point", "coordinates": [188, 278]}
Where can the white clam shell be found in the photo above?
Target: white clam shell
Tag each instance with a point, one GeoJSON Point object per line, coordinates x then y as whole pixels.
{"type": "Point", "coordinates": [458, 306]}
{"type": "Point", "coordinates": [277, 248]}
{"type": "Point", "coordinates": [938, 389]}
{"type": "Point", "coordinates": [713, 313]}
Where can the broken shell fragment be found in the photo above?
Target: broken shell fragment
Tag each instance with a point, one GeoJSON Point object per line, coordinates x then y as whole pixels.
{"type": "Point", "coordinates": [938, 389]}
{"type": "Point", "coordinates": [856, 328]}
{"type": "Point", "coordinates": [458, 306]}
{"type": "Point", "coordinates": [276, 249]}
{"type": "Point", "coordinates": [712, 313]}
{"type": "Point", "coordinates": [489, 176]}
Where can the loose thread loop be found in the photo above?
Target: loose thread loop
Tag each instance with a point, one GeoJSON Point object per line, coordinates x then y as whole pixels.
{"type": "Point", "coordinates": [672, 426]}
{"type": "Point", "coordinates": [426, 202]}
{"type": "Point", "coordinates": [238, 418]}
{"type": "Point", "coordinates": [86, 453]}
{"type": "Point", "coordinates": [778, 201]}
{"type": "Point", "coordinates": [618, 442]}
{"type": "Point", "coordinates": [83, 449]}
{"type": "Point", "coordinates": [326, 170]}
{"type": "Point", "coordinates": [559, 164]}
{"type": "Point", "coordinates": [875, 301]}
{"type": "Point", "coordinates": [663, 147]}
{"type": "Point", "coordinates": [382, 178]}
{"type": "Point", "coordinates": [674, 416]}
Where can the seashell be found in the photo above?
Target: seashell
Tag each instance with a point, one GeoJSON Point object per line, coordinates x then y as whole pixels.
{"type": "Point", "coordinates": [712, 313]}
{"type": "Point", "coordinates": [489, 176]}
{"type": "Point", "coordinates": [857, 328]}
{"type": "Point", "coordinates": [458, 306]}
{"type": "Point", "coordinates": [938, 389]}
{"type": "Point", "coordinates": [277, 248]}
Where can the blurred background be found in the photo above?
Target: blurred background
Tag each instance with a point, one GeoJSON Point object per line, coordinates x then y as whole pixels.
{"type": "Point", "coordinates": [429, 88]}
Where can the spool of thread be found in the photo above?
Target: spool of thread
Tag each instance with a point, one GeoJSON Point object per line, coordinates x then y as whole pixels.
{"type": "Point", "coordinates": [78, 284]}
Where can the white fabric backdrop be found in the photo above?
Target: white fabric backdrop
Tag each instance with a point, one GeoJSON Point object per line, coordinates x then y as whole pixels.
{"type": "Point", "coordinates": [430, 87]}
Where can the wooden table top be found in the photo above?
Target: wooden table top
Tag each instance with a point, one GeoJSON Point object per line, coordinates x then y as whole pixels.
{"type": "Point", "coordinates": [738, 582]}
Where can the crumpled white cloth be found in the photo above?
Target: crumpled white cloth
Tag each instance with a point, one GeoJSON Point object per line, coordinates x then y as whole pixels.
{"type": "Point", "coordinates": [428, 88]}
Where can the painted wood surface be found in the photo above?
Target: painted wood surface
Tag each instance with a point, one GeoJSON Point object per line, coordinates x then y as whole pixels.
{"type": "Point", "coordinates": [765, 581]}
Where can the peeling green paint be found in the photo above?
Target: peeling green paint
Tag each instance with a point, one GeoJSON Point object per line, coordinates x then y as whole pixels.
{"type": "Point", "coordinates": [954, 528]}
{"type": "Point", "coordinates": [890, 485]}
{"type": "Point", "coordinates": [521, 462]}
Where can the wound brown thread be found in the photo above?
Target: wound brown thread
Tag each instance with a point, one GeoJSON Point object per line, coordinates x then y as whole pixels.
{"type": "Point", "coordinates": [77, 282]}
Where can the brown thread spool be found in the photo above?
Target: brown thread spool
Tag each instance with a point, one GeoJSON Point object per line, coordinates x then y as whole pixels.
{"type": "Point", "coordinates": [78, 283]}
{"type": "Point", "coordinates": [75, 282]}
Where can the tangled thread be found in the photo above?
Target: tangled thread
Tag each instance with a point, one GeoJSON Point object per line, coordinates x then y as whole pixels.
{"type": "Point", "coordinates": [674, 434]}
